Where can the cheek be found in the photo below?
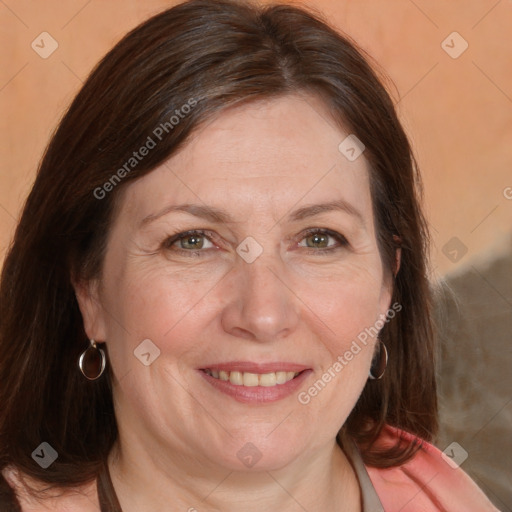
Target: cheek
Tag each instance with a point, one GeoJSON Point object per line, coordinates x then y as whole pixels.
{"type": "Point", "coordinates": [347, 310]}
{"type": "Point", "coordinates": [153, 302]}
{"type": "Point", "coordinates": [348, 302]}
{"type": "Point", "coordinates": [350, 312]}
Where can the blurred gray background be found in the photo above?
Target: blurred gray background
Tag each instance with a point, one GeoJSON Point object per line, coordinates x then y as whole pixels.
{"type": "Point", "coordinates": [475, 371]}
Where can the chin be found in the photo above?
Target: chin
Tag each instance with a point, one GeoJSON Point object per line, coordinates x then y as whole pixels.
{"type": "Point", "coordinates": [259, 453]}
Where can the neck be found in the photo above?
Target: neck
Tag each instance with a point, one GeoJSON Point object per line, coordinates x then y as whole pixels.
{"type": "Point", "coordinates": [149, 480]}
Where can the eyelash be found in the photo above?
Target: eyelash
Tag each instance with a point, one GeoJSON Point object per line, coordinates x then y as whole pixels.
{"type": "Point", "coordinates": [342, 241]}
{"type": "Point", "coordinates": [171, 240]}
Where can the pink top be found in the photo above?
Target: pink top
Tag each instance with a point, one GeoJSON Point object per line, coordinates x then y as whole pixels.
{"type": "Point", "coordinates": [427, 483]}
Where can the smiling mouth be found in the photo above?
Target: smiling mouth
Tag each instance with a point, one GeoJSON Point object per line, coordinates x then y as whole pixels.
{"type": "Point", "coordinates": [248, 379]}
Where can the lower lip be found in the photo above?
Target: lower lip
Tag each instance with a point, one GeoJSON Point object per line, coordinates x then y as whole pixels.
{"type": "Point", "coordinates": [257, 394]}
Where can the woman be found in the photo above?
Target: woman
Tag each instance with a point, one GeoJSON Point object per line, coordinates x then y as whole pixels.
{"type": "Point", "coordinates": [216, 297]}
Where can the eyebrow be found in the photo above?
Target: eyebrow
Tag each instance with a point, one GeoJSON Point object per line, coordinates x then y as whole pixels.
{"type": "Point", "coordinates": [315, 209]}
{"type": "Point", "coordinates": [204, 212]}
{"type": "Point", "coordinates": [220, 216]}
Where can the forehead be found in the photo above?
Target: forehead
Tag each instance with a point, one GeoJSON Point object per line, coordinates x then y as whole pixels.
{"type": "Point", "coordinates": [269, 154]}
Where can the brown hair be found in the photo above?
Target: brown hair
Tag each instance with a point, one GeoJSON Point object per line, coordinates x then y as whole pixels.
{"type": "Point", "coordinates": [219, 54]}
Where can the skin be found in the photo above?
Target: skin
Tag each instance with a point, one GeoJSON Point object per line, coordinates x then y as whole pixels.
{"type": "Point", "coordinates": [179, 436]}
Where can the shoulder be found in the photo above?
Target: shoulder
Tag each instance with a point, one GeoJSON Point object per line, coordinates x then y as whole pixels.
{"type": "Point", "coordinates": [35, 496]}
{"type": "Point", "coordinates": [425, 483]}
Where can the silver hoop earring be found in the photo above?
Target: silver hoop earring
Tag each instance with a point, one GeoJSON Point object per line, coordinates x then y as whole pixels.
{"type": "Point", "coordinates": [92, 361]}
{"type": "Point", "coordinates": [379, 362]}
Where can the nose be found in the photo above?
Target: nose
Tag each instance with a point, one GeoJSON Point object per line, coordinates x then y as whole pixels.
{"type": "Point", "coordinates": [261, 306]}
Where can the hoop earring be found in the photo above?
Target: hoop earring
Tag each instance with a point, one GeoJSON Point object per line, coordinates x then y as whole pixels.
{"type": "Point", "coordinates": [92, 361]}
{"type": "Point", "coordinates": [379, 362]}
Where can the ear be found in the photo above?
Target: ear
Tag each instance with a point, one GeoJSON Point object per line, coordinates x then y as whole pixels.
{"type": "Point", "coordinates": [398, 254]}
{"type": "Point", "coordinates": [398, 260]}
{"type": "Point", "coordinates": [93, 314]}
{"type": "Point", "coordinates": [388, 282]}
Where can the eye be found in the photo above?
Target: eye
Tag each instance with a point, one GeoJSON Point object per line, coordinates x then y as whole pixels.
{"type": "Point", "coordinates": [189, 241]}
{"type": "Point", "coordinates": [195, 241]}
{"type": "Point", "coordinates": [323, 240]}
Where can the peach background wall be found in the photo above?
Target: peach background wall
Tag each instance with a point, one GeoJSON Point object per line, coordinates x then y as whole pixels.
{"type": "Point", "coordinates": [458, 111]}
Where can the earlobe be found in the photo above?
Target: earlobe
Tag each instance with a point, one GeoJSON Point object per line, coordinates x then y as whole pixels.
{"type": "Point", "coordinates": [87, 296]}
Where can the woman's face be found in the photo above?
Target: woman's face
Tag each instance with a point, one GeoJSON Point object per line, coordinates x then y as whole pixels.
{"type": "Point", "coordinates": [281, 275]}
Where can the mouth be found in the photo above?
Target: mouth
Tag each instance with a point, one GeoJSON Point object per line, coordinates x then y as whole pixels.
{"type": "Point", "coordinates": [253, 383]}
{"type": "Point", "coordinates": [249, 379]}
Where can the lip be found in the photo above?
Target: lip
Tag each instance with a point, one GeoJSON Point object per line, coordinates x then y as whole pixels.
{"type": "Point", "coordinates": [252, 367]}
{"type": "Point", "coordinates": [258, 394]}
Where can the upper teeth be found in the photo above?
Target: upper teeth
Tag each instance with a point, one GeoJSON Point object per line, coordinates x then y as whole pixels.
{"type": "Point", "coordinates": [253, 379]}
